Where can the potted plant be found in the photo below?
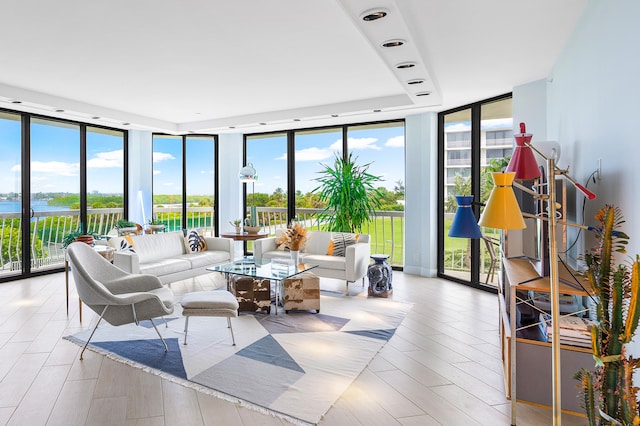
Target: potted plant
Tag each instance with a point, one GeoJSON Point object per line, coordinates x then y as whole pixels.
{"type": "Point", "coordinates": [155, 225]}
{"type": "Point", "coordinates": [236, 224]}
{"type": "Point", "coordinates": [79, 235]}
{"type": "Point", "coordinates": [348, 192]}
{"type": "Point", "coordinates": [609, 396]}
{"type": "Point", "coordinates": [125, 226]}
{"type": "Point", "coordinates": [294, 238]}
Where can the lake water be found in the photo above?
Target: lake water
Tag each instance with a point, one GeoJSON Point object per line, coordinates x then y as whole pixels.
{"type": "Point", "coordinates": [38, 206]}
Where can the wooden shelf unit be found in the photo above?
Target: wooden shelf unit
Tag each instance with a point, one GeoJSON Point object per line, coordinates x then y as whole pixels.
{"type": "Point", "coordinates": [533, 356]}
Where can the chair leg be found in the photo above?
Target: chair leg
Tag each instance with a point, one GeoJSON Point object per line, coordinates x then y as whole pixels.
{"type": "Point", "coordinates": [233, 339]}
{"type": "Point", "coordinates": [166, 324]}
{"type": "Point", "coordinates": [94, 330]}
{"type": "Point", "coordinates": [186, 327]}
{"type": "Point", "coordinates": [166, 348]}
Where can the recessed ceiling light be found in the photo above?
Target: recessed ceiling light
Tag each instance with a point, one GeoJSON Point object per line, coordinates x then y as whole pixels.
{"type": "Point", "coordinates": [126, 124]}
{"type": "Point", "coordinates": [263, 124]}
{"type": "Point", "coordinates": [59, 110]}
{"type": "Point", "coordinates": [423, 93]}
{"type": "Point", "coordinates": [377, 110]}
{"type": "Point", "coordinates": [334, 115]}
{"type": "Point", "coordinates": [417, 81]}
{"type": "Point", "coordinates": [405, 65]}
{"type": "Point", "coordinates": [15, 101]}
{"type": "Point", "coordinates": [96, 118]}
{"type": "Point", "coordinates": [232, 127]}
{"type": "Point", "coordinates": [373, 14]}
{"type": "Point", "coordinates": [296, 119]}
{"type": "Point", "coordinates": [393, 43]}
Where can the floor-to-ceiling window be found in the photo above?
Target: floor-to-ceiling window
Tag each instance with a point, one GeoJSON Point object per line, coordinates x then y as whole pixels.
{"type": "Point", "coordinates": [55, 188]}
{"type": "Point", "coordinates": [167, 181]}
{"type": "Point", "coordinates": [56, 177]}
{"type": "Point", "coordinates": [381, 145]}
{"type": "Point", "coordinates": [184, 182]}
{"type": "Point", "coordinates": [301, 154]}
{"type": "Point", "coordinates": [200, 182]}
{"type": "Point", "coordinates": [268, 153]}
{"type": "Point", "coordinates": [10, 194]}
{"type": "Point", "coordinates": [474, 140]}
{"type": "Point", "coordinates": [105, 178]}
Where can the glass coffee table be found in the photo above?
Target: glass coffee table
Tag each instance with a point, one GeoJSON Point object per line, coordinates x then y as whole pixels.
{"type": "Point", "coordinates": [277, 269]}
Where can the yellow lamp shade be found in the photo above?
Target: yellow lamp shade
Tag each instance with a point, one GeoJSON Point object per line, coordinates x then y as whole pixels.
{"type": "Point", "coordinates": [502, 210]}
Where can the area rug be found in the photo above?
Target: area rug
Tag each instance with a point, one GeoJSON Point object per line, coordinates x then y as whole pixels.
{"type": "Point", "coordinates": [294, 366]}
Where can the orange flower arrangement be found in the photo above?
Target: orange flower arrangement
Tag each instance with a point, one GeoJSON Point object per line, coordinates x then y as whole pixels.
{"type": "Point", "coordinates": [293, 237]}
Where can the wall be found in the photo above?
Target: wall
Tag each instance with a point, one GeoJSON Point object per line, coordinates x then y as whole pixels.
{"type": "Point", "coordinates": [421, 193]}
{"type": "Point", "coordinates": [593, 108]}
{"type": "Point", "coordinates": [140, 176]}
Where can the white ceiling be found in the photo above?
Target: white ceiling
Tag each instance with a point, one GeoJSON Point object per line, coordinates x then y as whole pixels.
{"type": "Point", "coordinates": [226, 66]}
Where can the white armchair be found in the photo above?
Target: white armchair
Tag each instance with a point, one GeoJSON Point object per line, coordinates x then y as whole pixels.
{"type": "Point", "coordinates": [117, 296]}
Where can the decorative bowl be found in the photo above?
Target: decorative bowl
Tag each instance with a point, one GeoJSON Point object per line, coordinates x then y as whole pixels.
{"type": "Point", "coordinates": [252, 229]}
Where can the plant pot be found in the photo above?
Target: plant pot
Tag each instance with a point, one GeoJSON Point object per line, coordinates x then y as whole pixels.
{"type": "Point", "coordinates": [87, 239]}
{"type": "Point", "coordinates": [238, 230]}
{"type": "Point", "coordinates": [156, 227]}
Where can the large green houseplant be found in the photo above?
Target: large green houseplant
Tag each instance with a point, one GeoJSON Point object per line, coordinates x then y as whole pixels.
{"type": "Point", "coordinates": [608, 391]}
{"type": "Point", "coordinates": [347, 190]}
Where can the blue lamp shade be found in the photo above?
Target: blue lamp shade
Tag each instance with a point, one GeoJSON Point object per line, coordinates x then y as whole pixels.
{"type": "Point", "coordinates": [464, 223]}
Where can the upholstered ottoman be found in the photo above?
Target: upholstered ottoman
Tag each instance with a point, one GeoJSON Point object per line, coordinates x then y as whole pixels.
{"type": "Point", "coordinates": [217, 303]}
{"type": "Point", "coordinates": [252, 294]}
{"type": "Point", "coordinates": [301, 292]}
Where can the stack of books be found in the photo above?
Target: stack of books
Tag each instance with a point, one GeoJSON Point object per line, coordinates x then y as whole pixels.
{"type": "Point", "coordinates": [574, 330]}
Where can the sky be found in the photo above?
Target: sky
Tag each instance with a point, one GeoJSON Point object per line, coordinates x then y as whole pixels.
{"type": "Point", "coordinates": [55, 156]}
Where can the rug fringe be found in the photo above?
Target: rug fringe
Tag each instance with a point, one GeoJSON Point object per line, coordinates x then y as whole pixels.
{"type": "Point", "coordinates": [189, 384]}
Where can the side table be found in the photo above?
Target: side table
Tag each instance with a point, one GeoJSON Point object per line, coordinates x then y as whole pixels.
{"type": "Point", "coordinates": [104, 251]}
{"type": "Point", "coordinates": [380, 275]}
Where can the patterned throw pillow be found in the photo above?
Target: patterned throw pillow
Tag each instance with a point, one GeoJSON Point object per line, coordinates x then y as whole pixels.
{"type": "Point", "coordinates": [122, 243]}
{"type": "Point", "coordinates": [339, 242]}
{"type": "Point", "coordinates": [194, 242]}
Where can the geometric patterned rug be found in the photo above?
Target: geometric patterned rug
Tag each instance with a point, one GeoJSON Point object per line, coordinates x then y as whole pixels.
{"type": "Point", "coordinates": [294, 366]}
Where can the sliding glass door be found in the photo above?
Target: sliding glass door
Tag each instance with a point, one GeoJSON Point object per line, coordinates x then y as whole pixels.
{"type": "Point", "coordinates": [473, 141]}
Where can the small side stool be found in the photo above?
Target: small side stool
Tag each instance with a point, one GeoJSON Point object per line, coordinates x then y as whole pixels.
{"type": "Point", "coordinates": [217, 303]}
{"type": "Point", "coordinates": [252, 294]}
{"type": "Point", "coordinates": [301, 292]}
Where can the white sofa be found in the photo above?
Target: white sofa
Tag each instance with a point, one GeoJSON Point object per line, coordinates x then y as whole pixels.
{"type": "Point", "coordinates": [351, 267]}
{"type": "Point", "coordinates": [165, 256]}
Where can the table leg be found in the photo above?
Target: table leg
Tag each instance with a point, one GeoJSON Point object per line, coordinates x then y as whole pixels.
{"type": "Point", "coordinates": [66, 280]}
{"type": "Point", "coordinates": [80, 308]}
{"type": "Point", "coordinates": [277, 288]}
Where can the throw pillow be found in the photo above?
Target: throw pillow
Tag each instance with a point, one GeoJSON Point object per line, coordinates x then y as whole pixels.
{"type": "Point", "coordinates": [122, 243]}
{"type": "Point", "coordinates": [339, 242]}
{"type": "Point", "coordinates": [194, 242]}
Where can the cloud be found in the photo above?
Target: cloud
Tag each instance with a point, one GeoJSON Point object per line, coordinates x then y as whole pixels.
{"type": "Point", "coordinates": [310, 154]}
{"type": "Point", "coordinates": [395, 142]}
{"type": "Point", "coordinates": [109, 159]}
{"type": "Point", "coordinates": [162, 156]}
{"type": "Point", "coordinates": [56, 168]}
{"type": "Point", "coordinates": [361, 143]}
{"type": "Point", "coordinates": [457, 127]}
{"type": "Point", "coordinates": [156, 172]}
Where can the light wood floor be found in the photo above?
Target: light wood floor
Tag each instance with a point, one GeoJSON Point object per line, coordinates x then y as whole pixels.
{"type": "Point", "coordinates": [442, 367]}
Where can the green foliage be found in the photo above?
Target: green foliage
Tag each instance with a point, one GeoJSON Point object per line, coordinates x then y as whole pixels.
{"type": "Point", "coordinates": [349, 195]}
{"type": "Point", "coordinates": [124, 223]}
{"type": "Point", "coordinates": [616, 289]}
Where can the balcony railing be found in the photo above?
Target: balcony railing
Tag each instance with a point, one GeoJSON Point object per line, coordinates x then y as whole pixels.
{"type": "Point", "coordinates": [48, 229]}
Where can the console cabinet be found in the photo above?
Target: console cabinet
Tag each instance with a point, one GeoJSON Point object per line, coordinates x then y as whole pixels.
{"type": "Point", "coordinates": [525, 349]}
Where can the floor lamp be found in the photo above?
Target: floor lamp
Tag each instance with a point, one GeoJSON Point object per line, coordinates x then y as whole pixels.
{"type": "Point", "coordinates": [248, 174]}
{"type": "Point", "coordinates": [501, 212]}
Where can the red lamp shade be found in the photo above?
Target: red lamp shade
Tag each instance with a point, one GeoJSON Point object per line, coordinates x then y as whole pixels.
{"type": "Point", "coordinates": [523, 163]}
